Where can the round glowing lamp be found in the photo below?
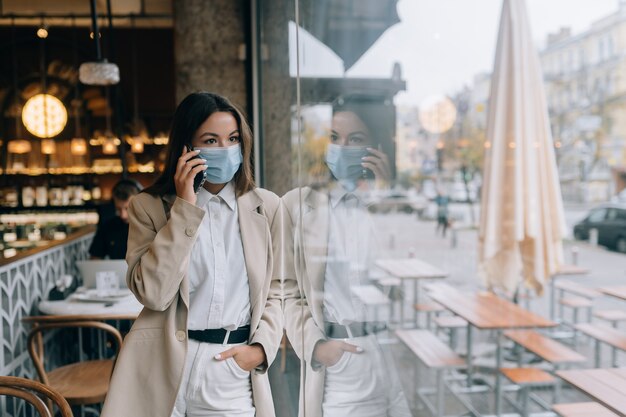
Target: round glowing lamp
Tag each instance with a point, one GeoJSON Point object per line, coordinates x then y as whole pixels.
{"type": "Point", "coordinates": [44, 115]}
{"type": "Point", "coordinates": [437, 114]}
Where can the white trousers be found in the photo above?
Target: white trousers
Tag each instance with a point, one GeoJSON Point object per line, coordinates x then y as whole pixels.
{"type": "Point", "coordinates": [212, 388]}
{"type": "Point", "coordinates": [364, 384]}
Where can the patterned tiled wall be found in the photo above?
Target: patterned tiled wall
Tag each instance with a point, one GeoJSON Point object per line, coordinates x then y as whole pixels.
{"type": "Point", "coordinates": [22, 285]}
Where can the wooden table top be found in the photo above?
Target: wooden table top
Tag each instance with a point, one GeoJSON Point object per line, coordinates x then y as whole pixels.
{"type": "Point", "coordinates": [617, 291]}
{"type": "Point", "coordinates": [485, 310]}
{"type": "Point", "coordinates": [571, 270]}
{"type": "Point", "coordinates": [606, 386]}
{"type": "Point", "coordinates": [410, 268]}
{"type": "Point", "coordinates": [370, 295]}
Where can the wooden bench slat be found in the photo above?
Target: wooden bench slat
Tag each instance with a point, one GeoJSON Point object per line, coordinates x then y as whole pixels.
{"type": "Point", "coordinates": [429, 349]}
{"type": "Point", "coordinates": [605, 334]}
{"type": "Point", "coordinates": [450, 322]}
{"type": "Point", "coordinates": [576, 302]}
{"type": "Point", "coordinates": [527, 376]}
{"type": "Point", "coordinates": [547, 349]}
{"type": "Point", "coordinates": [589, 409]}
{"type": "Point", "coordinates": [429, 307]}
{"type": "Point", "coordinates": [611, 315]}
{"type": "Point", "coordinates": [577, 289]}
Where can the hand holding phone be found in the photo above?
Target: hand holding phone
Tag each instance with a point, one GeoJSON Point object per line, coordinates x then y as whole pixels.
{"type": "Point", "coordinates": [187, 169]}
{"type": "Point", "coordinates": [200, 178]}
{"type": "Point", "coordinates": [377, 163]}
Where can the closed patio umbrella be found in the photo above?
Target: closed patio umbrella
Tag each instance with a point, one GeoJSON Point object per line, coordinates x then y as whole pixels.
{"type": "Point", "coordinates": [522, 223]}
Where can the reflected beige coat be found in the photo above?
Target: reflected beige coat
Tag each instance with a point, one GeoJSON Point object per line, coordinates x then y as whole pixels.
{"type": "Point", "coordinates": [306, 250]}
{"type": "Point", "coordinates": [149, 369]}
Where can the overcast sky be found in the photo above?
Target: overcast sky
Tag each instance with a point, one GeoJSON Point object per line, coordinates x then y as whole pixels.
{"type": "Point", "coordinates": [442, 44]}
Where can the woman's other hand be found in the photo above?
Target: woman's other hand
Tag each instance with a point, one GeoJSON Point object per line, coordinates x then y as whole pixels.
{"type": "Point", "coordinates": [248, 357]}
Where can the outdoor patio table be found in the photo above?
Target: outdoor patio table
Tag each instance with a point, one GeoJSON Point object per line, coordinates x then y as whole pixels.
{"type": "Point", "coordinates": [486, 311]}
{"type": "Point", "coordinates": [410, 269]}
{"type": "Point", "coordinates": [606, 386]}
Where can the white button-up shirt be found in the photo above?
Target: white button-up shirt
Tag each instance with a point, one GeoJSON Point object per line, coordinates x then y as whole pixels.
{"type": "Point", "coordinates": [219, 292]}
{"type": "Point", "coordinates": [350, 252]}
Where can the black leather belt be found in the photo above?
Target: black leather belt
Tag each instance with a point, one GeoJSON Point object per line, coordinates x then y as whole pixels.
{"type": "Point", "coordinates": [357, 329]}
{"type": "Point", "coordinates": [239, 335]}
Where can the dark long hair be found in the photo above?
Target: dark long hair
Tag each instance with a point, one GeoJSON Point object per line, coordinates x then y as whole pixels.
{"type": "Point", "coordinates": [189, 115]}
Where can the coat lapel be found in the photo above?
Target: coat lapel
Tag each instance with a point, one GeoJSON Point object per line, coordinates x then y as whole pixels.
{"type": "Point", "coordinates": [255, 237]}
{"type": "Point", "coordinates": [168, 201]}
{"type": "Point", "coordinates": [315, 246]}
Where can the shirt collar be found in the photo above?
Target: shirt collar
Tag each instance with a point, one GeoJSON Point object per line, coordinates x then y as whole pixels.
{"type": "Point", "coordinates": [227, 195]}
{"type": "Point", "coordinates": [335, 196]}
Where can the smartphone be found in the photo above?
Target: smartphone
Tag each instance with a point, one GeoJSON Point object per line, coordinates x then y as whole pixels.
{"type": "Point", "coordinates": [200, 177]}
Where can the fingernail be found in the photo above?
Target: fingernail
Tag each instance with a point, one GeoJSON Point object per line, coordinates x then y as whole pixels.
{"type": "Point", "coordinates": [359, 349]}
{"type": "Point", "coordinates": [197, 151]}
{"type": "Point", "coordinates": [218, 356]}
{"type": "Point", "coordinates": [363, 165]}
{"type": "Point", "coordinates": [205, 166]}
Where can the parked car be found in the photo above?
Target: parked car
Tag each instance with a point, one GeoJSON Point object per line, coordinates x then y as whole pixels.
{"type": "Point", "coordinates": [610, 222]}
{"type": "Point", "coordinates": [399, 202]}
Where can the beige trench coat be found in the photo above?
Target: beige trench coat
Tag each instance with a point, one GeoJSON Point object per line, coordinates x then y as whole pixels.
{"type": "Point", "coordinates": [149, 369]}
{"type": "Point", "coordinates": [306, 250]}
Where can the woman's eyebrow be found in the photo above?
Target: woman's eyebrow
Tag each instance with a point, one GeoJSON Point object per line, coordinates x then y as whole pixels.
{"type": "Point", "coordinates": [216, 135]}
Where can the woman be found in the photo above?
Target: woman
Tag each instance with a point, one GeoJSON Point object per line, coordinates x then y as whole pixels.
{"type": "Point", "coordinates": [202, 264]}
{"type": "Point", "coordinates": [333, 248]}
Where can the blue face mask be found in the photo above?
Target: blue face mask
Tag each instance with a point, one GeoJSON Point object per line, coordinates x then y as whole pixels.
{"type": "Point", "coordinates": [222, 163]}
{"type": "Point", "coordinates": [344, 163]}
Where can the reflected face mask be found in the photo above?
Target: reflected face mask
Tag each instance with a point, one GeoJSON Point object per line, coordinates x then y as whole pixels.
{"type": "Point", "coordinates": [344, 162]}
{"type": "Point", "coordinates": [222, 163]}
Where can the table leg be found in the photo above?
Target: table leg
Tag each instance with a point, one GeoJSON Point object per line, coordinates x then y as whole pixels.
{"type": "Point", "coordinates": [81, 355]}
{"type": "Point", "coordinates": [498, 366]}
{"type": "Point", "coordinates": [468, 360]}
{"type": "Point", "coordinates": [402, 302]}
{"type": "Point", "coordinates": [552, 297]}
{"type": "Point", "coordinates": [416, 300]}
{"type": "Point", "coordinates": [402, 290]}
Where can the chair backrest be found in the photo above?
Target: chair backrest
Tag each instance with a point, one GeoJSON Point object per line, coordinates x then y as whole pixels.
{"type": "Point", "coordinates": [35, 344]}
{"type": "Point", "coordinates": [27, 390]}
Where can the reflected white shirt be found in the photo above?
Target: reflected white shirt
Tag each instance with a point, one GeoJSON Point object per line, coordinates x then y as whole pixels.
{"type": "Point", "coordinates": [350, 249]}
{"type": "Point", "coordinates": [219, 292]}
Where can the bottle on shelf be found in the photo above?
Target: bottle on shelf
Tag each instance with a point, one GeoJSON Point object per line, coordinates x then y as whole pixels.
{"type": "Point", "coordinates": [28, 194]}
{"type": "Point", "coordinates": [96, 192]}
{"type": "Point", "coordinates": [41, 195]}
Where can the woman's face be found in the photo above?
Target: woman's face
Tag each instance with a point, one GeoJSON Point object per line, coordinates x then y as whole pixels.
{"type": "Point", "coordinates": [349, 130]}
{"type": "Point", "coordinates": [220, 130]}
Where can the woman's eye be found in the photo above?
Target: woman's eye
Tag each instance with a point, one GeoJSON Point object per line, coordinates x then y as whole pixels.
{"type": "Point", "coordinates": [334, 138]}
{"type": "Point", "coordinates": [234, 138]}
{"type": "Point", "coordinates": [357, 139]}
{"type": "Point", "coordinates": [211, 141]}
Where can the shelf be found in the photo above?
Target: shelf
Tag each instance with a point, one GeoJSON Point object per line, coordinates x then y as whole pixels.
{"type": "Point", "coordinates": [91, 206]}
{"type": "Point", "coordinates": [75, 171]}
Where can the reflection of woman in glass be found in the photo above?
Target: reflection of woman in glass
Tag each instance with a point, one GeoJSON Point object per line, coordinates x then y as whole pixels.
{"type": "Point", "coordinates": [201, 261]}
{"type": "Point", "coordinates": [346, 372]}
